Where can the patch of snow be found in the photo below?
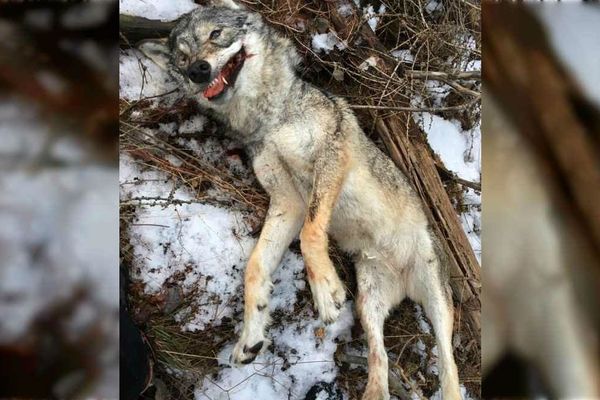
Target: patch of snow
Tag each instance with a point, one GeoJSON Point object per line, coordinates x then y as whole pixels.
{"type": "Point", "coordinates": [326, 42]}
{"type": "Point", "coordinates": [403, 55]}
{"type": "Point", "coordinates": [473, 65]}
{"type": "Point", "coordinates": [471, 220]}
{"type": "Point", "coordinates": [302, 360]}
{"type": "Point", "coordinates": [459, 150]}
{"type": "Point", "coordinates": [433, 6]}
{"type": "Point", "coordinates": [139, 77]}
{"type": "Point", "coordinates": [51, 247]}
{"type": "Point", "coordinates": [193, 125]}
{"type": "Point", "coordinates": [162, 10]}
{"type": "Point", "coordinates": [369, 62]}
{"type": "Point", "coordinates": [345, 9]}
{"type": "Point", "coordinates": [211, 245]}
{"type": "Point", "coordinates": [423, 324]}
{"type": "Point", "coordinates": [87, 14]}
{"type": "Point", "coordinates": [371, 16]}
{"type": "Point", "coordinates": [58, 238]}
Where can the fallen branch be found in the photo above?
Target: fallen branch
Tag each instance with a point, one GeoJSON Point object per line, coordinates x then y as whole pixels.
{"type": "Point", "coordinates": [465, 75]}
{"type": "Point", "coordinates": [452, 176]}
{"type": "Point", "coordinates": [134, 29]}
{"type": "Point", "coordinates": [413, 109]}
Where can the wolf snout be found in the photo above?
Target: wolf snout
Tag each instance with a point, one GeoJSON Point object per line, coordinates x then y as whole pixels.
{"type": "Point", "coordinates": [199, 71]}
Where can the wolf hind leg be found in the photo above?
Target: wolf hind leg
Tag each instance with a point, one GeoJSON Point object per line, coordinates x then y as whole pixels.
{"type": "Point", "coordinates": [431, 290]}
{"type": "Point", "coordinates": [377, 294]}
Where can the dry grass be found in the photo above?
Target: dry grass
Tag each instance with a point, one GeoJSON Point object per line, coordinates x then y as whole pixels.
{"type": "Point", "coordinates": [441, 44]}
{"type": "Point", "coordinates": [438, 43]}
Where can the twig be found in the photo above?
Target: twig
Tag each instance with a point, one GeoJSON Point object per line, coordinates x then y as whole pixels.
{"type": "Point", "coordinates": [411, 109]}
{"type": "Point", "coordinates": [395, 384]}
{"type": "Point", "coordinates": [474, 75]}
{"type": "Point", "coordinates": [451, 175]}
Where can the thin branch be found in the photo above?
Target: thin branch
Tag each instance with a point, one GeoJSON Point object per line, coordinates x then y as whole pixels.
{"type": "Point", "coordinates": [413, 109]}
{"type": "Point", "coordinates": [474, 75]}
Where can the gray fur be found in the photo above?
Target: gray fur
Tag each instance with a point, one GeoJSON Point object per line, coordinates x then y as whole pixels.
{"type": "Point", "coordinates": [324, 176]}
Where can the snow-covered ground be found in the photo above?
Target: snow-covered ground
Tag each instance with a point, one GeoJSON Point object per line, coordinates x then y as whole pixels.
{"type": "Point", "coordinates": [460, 152]}
{"type": "Point", "coordinates": [211, 244]}
{"type": "Point", "coordinates": [58, 237]}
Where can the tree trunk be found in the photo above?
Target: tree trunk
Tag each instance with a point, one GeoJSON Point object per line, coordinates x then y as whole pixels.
{"type": "Point", "coordinates": [134, 29]}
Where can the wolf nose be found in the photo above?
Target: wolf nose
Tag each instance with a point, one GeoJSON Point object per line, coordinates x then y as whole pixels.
{"type": "Point", "coordinates": [199, 71]}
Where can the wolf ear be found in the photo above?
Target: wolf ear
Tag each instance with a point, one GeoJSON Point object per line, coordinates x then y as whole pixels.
{"type": "Point", "coordinates": [156, 50]}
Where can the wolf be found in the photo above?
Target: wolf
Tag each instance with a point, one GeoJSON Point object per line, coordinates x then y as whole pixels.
{"type": "Point", "coordinates": [324, 177]}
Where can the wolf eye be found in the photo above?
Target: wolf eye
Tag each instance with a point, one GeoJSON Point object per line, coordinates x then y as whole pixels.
{"type": "Point", "coordinates": [215, 34]}
{"type": "Point", "coordinates": [182, 59]}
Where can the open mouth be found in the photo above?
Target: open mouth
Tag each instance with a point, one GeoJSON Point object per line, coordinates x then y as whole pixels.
{"type": "Point", "coordinates": [227, 76]}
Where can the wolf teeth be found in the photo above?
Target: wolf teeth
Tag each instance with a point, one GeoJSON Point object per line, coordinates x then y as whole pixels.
{"type": "Point", "coordinates": [225, 80]}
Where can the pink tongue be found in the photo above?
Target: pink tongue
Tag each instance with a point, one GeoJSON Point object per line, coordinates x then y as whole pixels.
{"type": "Point", "coordinates": [215, 89]}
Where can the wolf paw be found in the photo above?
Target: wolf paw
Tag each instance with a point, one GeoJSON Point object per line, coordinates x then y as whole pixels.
{"type": "Point", "coordinates": [246, 350]}
{"type": "Point", "coordinates": [329, 296]}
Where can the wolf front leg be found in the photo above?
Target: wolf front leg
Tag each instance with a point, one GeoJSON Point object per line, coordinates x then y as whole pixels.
{"type": "Point", "coordinates": [330, 170]}
{"type": "Point", "coordinates": [282, 224]}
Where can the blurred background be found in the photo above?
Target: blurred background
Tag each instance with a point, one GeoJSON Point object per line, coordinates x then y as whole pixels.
{"type": "Point", "coordinates": [541, 191]}
{"type": "Point", "coordinates": [58, 200]}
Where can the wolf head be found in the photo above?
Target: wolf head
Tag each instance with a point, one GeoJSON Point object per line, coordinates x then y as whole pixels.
{"type": "Point", "coordinates": [205, 51]}
{"type": "Point", "coordinates": [209, 48]}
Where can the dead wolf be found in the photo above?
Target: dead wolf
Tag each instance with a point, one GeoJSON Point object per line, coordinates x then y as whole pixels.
{"type": "Point", "coordinates": [324, 177]}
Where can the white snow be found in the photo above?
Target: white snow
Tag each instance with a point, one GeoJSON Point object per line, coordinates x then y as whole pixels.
{"type": "Point", "coordinates": [403, 55]}
{"type": "Point", "coordinates": [58, 237]}
{"type": "Point", "coordinates": [433, 6]}
{"type": "Point", "coordinates": [162, 10]}
{"type": "Point", "coordinates": [306, 360]}
{"type": "Point", "coordinates": [193, 125]}
{"type": "Point", "coordinates": [215, 243]}
{"type": "Point", "coordinates": [371, 16]}
{"type": "Point", "coordinates": [67, 214]}
{"type": "Point", "coordinates": [459, 150]}
{"type": "Point", "coordinates": [369, 62]}
{"type": "Point", "coordinates": [140, 77]}
{"type": "Point", "coordinates": [326, 42]}
{"type": "Point", "coordinates": [345, 9]}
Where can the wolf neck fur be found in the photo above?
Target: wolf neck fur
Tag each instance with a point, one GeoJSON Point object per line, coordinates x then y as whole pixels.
{"type": "Point", "coordinates": [265, 72]}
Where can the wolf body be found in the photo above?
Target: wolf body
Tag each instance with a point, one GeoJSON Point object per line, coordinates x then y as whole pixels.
{"type": "Point", "coordinates": [323, 176]}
